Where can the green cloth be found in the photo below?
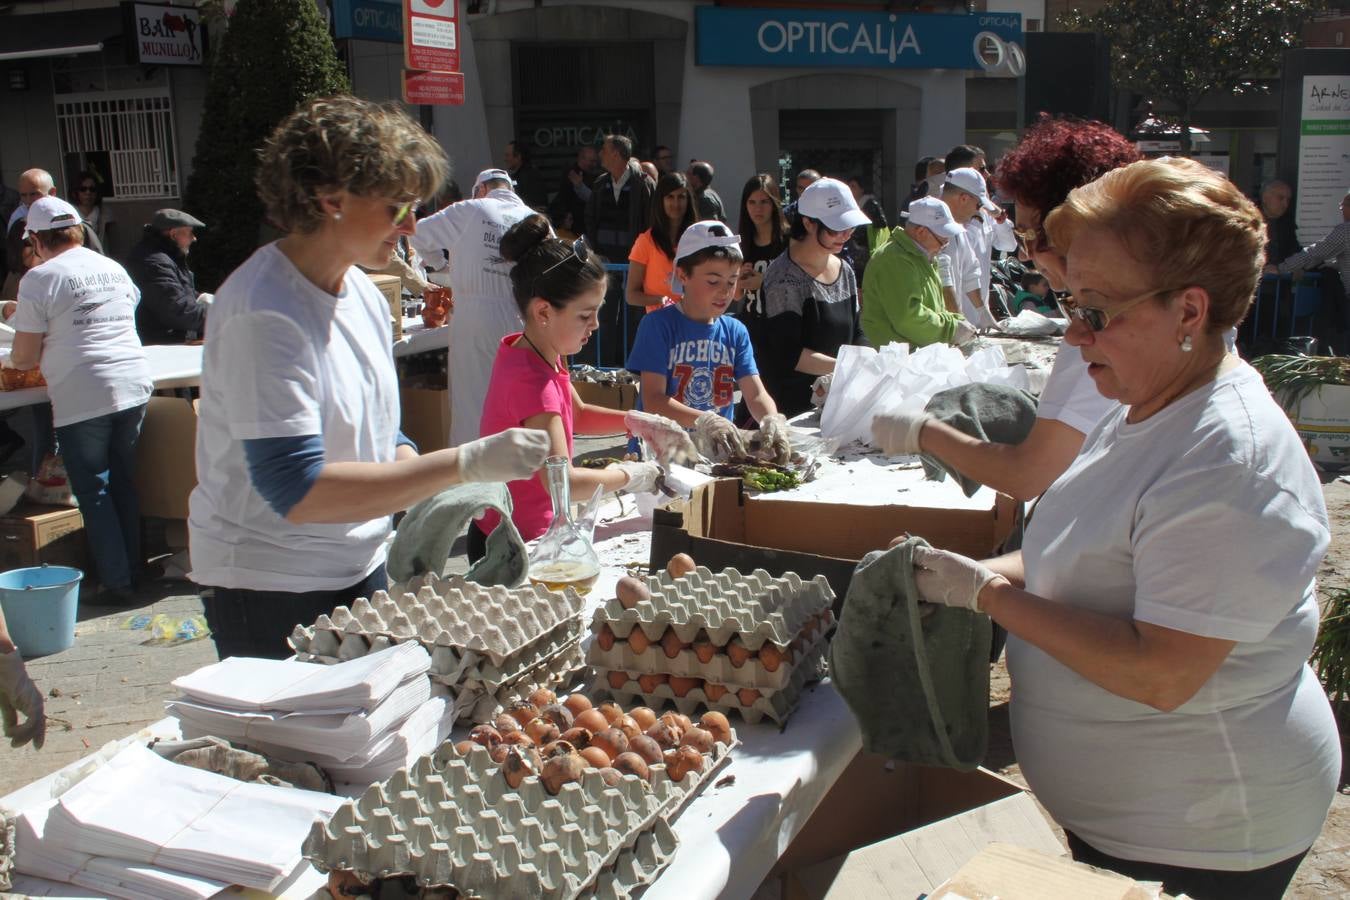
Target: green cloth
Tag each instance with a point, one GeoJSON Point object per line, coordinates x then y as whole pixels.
{"type": "Point", "coordinates": [987, 412]}
{"type": "Point", "coordinates": [902, 298]}
{"type": "Point", "coordinates": [917, 681]}
{"type": "Point", "coordinates": [423, 540]}
{"type": "Point", "coordinates": [1044, 305]}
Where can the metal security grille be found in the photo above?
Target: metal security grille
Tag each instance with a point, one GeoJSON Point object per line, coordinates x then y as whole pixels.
{"type": "Point", "coordinates": [598, 76]}
{"type": "Point", "coordinates": [135, 130]}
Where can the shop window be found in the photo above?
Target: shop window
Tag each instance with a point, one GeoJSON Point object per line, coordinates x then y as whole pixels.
{"type": "Point", "coordinates": [125, 137]}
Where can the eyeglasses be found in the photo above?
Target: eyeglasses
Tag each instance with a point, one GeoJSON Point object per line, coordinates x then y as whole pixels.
{"type": "Point", "coordinates": [580, 252]}
{"type": "Point", "coordinates": [400, 212]}
{"type": "Point", "coordinates": [1096, 318]}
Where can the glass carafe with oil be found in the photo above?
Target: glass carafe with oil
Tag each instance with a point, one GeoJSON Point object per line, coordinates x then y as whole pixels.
{"type": "Point", "coordinates": [565, 556]}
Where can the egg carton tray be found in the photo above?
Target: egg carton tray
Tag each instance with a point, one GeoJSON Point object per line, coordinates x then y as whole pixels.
{"type": "Point", "coordinates": [756, 607]}
{"type": "Point", "coordinates": [452, 821]}
{"type": "Point", "coordinates": [777, 705]}
{"type": "Point", "coordinates": [477, 702]}
{"type": "Point", "coordinates": [492, 622]}
{"type": "Point", "coordinates": [720, 670]}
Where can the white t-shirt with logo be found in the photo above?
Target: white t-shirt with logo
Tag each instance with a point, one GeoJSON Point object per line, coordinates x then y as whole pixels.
{"type": "Point", "coordinates": [84, 305]}
{"type": "Point", "coordinates": [286, 359]}
{"type": "Point", "coordinates": [1206, 518]}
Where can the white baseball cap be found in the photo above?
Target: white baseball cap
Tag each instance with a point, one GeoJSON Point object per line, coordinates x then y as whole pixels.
{"type": "Point", "coordinates": [830, 201]}
{"type": "Point", "coordinates": [972, 182]}
{"type": "Point", "coordinates": [705, 234]}
{"type": "Point", "coordinates": [493, 175]}
{"type": "Point", "coordinates": [48, 213]}
{"type": "Point", "coordinates": [933, 214]}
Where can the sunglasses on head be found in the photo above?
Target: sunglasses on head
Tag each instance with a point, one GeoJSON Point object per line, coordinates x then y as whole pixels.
{"type": "Point", "coordinates": [580, 252]}
{"type": "Point", "coordinates": [1096, 318]}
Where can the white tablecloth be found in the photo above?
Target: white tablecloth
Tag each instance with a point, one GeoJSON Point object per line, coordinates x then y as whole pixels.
{"type": "Point", "coordinates": [171, 366]}
{"type": "Point", "coordinates": [418, 338]}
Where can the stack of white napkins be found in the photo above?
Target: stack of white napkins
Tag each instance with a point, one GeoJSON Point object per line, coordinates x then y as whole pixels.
{"type": "Point", "coordinates": [141, 826]}
{"type": "Point", "coordinates": [360, 719]}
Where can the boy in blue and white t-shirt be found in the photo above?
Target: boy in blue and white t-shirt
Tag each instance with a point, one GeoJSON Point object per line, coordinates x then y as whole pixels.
{"type": "Point", "coordinates": [692, 357]}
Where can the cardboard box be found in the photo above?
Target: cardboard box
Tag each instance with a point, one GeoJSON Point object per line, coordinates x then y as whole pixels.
{"type": "Point", "coordinates": [1010, 872]}
{"type": "Point", "coordinates": [392, 288]}
{"type": "Point", "coordinates": [610, 396]}
{"type": "Point", "coordinates": [33, 534]}
{"type": "Point", "coordinates": [721, 526]}
{"type": "Point", "coordinates": [425, 404]}
{"type": "Point", "coordinates": [166, 457]}
{"type": "Point", "coordinates": [1322, 420]}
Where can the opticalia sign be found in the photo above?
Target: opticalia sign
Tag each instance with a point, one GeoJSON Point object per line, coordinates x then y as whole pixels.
{"type": "Point", "coordinates": [369, 20]}
{"type": "Point", "coordinates": [163, 35]}
{"type": "Point", "coordinates": [809, 38]}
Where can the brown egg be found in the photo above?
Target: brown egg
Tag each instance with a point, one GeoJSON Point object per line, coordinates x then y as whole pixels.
{"type": "Point", "coordinates": [595, 757]}
{"type": "Point", "coordinates": [553, 748]}
{"type": "Point", "coordinates": [498, 753]}
{"type": "Point", "coordinates": [682, 686]}
{"type": "Point", "coordinates": [680, 565]}
{"type": "Point", "coordinates": [738, 653]}
{"type": "Point", "coordinates": [519, 765]}
{"type": "Point", "coordinates": [522, 711]}
{"type": "Point", "coordinates": [631, 764]}
{"type": "Point", "coordinates": [643, 716]}
{"type": "Point", "coordinates": [557, 714]}
{"type": "Point", "coordinates": [611, 776]}
{"type": "Point", "coordinates": [638, 641]}
{"type": "Point", "coordinates": [562, 769]}
{"type": "Point", "coordinates": [675, 720]}
{"type": "Point", "coordinates": [591, 720]}
{"type": "Point", "coordinates": [700, 740]}
{"type": "Point", "coordinates": [518, 738]}
{"type": "Point", "coordinates": [671, 644]}
{"type": "Point", "coordinates": [716, 724]}
{"type": "Point", "coordinates": [542, 697]}
{"type": "Point", "coordinates": [770, 657]}
{"type": "Point", "coordinates": [683, 721]}
{"type": "Point", "coordinates": [577, 737]}
{"type": "Point", "coordinates": [681, 761]}
{"type": "Point", "coordinates": [577, 704]}
{"type": "Point", "coordinates": [486, 735]}
{"type": "Point", "coordinates": [714, 692]}
{"type": "Point", "coordinates": [628, 725]}
{"type": "Point", "coordinates": [704, 650]}
{"type": "Point", "coordinates": [645, 747]}
{"type": "Point", "coordinates": [650, 682]}
{"type": "Point", "coordinates": [464, 748]}
{"type": "Point", "coordinates": [505, 724]}
{"type": "Point", "coordinates": [611, 711]}
{"type": "Point", "coordinates": [605, 638]}
{"type": "Point", "coordinates": [666, 735]}
{"type": "Point", "coordinates": [631, 591]}
{"type": "Point", "coordinates": [747, 696]}
{"type": "Point", "coordinates": [542, 731]}
{"type": "Point", "coordinates": [617, 679]}
{"type": "Point", "coordinates": [611, 741]}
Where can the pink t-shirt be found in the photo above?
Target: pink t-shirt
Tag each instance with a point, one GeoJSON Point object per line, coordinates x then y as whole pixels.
{"type": "Point", "coordinates": [523, 385]}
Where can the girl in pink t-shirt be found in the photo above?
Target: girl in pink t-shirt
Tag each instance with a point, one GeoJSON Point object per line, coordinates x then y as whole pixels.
{"type": "Point", "coordinates": [559, 287]}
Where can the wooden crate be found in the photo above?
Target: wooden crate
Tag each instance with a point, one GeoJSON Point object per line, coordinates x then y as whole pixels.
{"type": "Point", "coordinates": [33, 534]}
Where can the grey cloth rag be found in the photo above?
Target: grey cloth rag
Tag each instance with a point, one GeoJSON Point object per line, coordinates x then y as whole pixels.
{"type": "Point", "coordinates": [987, 412]}
{"type": "Point", "coordinates": [423, 540]}
{"type": "Point", "coordinates": [916, 680]}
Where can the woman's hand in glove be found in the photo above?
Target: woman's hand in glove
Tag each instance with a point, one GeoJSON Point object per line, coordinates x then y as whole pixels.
{"type": "Point", "coordinates": [898, 432]}
{"type": "Point", "coordinates": [641, 476]}
{"type": "Point", "coordinates": [717, 437]}
{"type": "Point", "coordinates": [18, 694]}
{"type": "Point", "coordinates": [510, 455]}
{"type": "Point", "coordinates": [950, 579]}
{"type": "Point", "coordinates": [773, 436]}
{"type": "Point", "coordinates": [666, 438]}
{"type": "Point", "coordinates": [820, 389]}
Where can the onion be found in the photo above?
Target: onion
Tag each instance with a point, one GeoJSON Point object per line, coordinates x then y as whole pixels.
{"type": "Point", "coordinates": [717, 725]}
{"type": "Point", "coordinates": [631, 764]}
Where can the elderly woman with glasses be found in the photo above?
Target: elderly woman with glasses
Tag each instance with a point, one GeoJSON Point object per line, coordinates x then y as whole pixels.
{"type": "Point", "coordinates": [300, 457]}
{"type": "Point", "coordinates": [1162, 608]}
{"type": "Point", "coordinates": [1054, 157]}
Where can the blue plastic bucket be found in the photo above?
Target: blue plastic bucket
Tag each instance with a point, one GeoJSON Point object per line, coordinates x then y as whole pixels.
{"type": "Point", "coordinates": [40, 605]}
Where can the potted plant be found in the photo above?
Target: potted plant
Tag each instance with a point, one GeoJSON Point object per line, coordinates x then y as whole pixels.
{"type": "Point", "coordinates": [1315, 393]}
{"type": "Point", "coordinates": [1331, 660]}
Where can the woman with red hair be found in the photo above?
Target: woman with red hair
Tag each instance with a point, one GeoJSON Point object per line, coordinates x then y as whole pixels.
{"type": "Point", "coordinates": [1054, 157]}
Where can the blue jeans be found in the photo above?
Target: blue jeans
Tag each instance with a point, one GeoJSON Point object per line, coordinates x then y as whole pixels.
{"type": "Point", "coordinates": [100, 458]}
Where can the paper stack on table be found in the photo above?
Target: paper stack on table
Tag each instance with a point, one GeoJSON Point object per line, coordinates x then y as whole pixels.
{"type": "Point", "coordinates": [141, 826]}
{"type": "Point", "coordinates": [359, 719]}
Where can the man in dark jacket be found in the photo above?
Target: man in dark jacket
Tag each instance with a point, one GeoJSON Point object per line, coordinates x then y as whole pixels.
{"type": "Point", "coordinates": [619, 210]}
{"type": "Point", "coordinates": [171, 311]}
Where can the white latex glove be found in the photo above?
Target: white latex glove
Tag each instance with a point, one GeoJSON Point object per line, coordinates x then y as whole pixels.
{"type": "Point", "coordinates": [641, 476]}
{"type": "Point", "coordinates": [206, 299]}
{"type": "Point", "coordinates": [18, 694]}
{"type": "Point", "coordinates": [511, 455]}
{"type": "Point", "coordinates": [717, 437]}
{"type": "Point", "coordinates": [820, 389]}
{"type": "Point", "coordinates": [964, 333]}
{"type": "Point", "coordinates": [666, 438]}
{"type": "Point", "coordinates": [773, 436]}
{"type": "Point", "coordinates": [898, 432]}
{"type": "Point", "coordinates": [950, 579]}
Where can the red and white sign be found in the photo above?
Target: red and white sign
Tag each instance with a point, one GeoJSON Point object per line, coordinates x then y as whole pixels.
{"type": "Point", "coordinates": [433, 88]}
{"type": "Point", "coordinates": [431, 35]}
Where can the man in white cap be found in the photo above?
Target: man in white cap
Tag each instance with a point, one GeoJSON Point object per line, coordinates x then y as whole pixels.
{"type": "Point", "coordinates": [904, 295]}
{"type": "Point", "coordinates": [485, 312]}
{"type": "Point", "coordinates": [958, 266]}
{"type": "Point", "coordinates": [171, 310]}
{"type": "Point", "coordinates": [987, 226]}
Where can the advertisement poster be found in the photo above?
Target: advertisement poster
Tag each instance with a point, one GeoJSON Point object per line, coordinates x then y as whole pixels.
{"type": "Point", "coordinates": [1323, 155]}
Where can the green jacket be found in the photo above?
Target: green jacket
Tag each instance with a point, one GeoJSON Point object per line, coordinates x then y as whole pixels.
{"type": "Point", "coordinates": [902, 299]}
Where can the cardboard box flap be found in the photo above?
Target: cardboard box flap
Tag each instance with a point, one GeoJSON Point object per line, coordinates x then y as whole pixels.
{"type": "Point", "coordinates": [1008, 872]}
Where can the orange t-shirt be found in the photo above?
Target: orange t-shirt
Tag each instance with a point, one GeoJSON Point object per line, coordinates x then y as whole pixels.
{"type": "Point", "coordinates": [656, 279]}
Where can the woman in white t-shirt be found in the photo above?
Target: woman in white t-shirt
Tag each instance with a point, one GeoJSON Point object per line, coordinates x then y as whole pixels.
{"type": "Point", "coordinates": [76, 317]}
{"type": "Point", "coordinates": [1054, 157]}
{"type": "Point", "coordinates": [300, 457]}
{"type": "Point", "coordinates": [1162, 609]}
